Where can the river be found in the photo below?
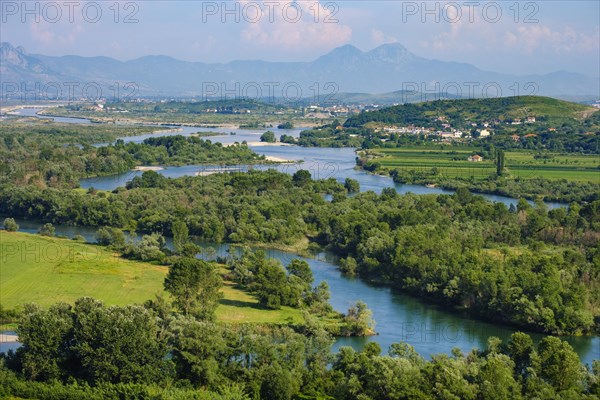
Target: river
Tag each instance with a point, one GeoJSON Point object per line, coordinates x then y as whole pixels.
{"type": "Point", "coordinates": [431, 329]}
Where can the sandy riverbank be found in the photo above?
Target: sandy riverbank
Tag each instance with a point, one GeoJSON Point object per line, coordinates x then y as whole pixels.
{"type": "Point", "coordinates": [277, 144]}
{"type": "Point", "coordinates": [279, 160]}
{"type": "Point", "coordinates": [211, 171]}
{"type": "Point", "coordinates": [8, 338]}
{"type": "Point", "coordinates": [148, 168]}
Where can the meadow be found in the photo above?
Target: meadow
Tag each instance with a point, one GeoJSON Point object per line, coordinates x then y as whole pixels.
{"type": "Point", "coordinates": [46, 270]}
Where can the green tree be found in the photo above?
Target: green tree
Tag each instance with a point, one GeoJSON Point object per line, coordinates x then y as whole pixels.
{"type": "Point", "coordinates": [496, 380]}
{"type": "Point", "coordinates": [44, 336]}
{"type": "Point", "coordinates": [271, 285]}
{"type": "Point", "coordinates": [500, 162]}
{"type": "Point", "coordinates": [150, 248]}
{"type": "Point", "coordinates": [10, 225]}
{"type": "Point", "coordinates": [180, 236]}
{"type": "Point", "coordinates": [268, 137]}
{"type": "Point", "coordinates": [286, 125]}
{"type": "Point", "coordinates": [197, 346]}
{"type": "Point", "coordinates": [559, 365]}
{"type": "Point", "coordinates": [47, 230]}
{"type": "Point", "coordinates": [359, 319]}
{"type": "Point", "coordinates": [352, 185]}
{"type": "Point", "coordinates": [108, 236]}
{"type": "Point", "coordinates": [287, 139]}
{"type": "Point", "coordinates": [520, 350]}
{"type": "Point", "coordinates": [195, 286]}
{"type": "Point", "coordinates": [301, 177]}
{"type": "Point", "coordinates": [301, 269]}
{"type": "Point", "coordinates": [117, 344]}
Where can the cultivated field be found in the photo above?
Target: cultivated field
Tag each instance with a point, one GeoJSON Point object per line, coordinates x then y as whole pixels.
{"type": "Point", "coordinates": [454, 163]}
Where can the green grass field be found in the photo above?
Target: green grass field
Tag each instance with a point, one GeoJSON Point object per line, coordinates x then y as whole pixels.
{"type": "Point", "coordinates": [43, 270]}
{"type": "Point", "coordinates": [453, 163]}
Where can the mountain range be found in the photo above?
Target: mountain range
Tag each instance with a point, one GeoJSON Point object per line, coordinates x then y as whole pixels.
{"type": "Point", "coordinates": [345, 73]}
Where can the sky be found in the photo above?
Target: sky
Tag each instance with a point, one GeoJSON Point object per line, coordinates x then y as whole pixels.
{"type": "Point", "coordinates": [528, 37]}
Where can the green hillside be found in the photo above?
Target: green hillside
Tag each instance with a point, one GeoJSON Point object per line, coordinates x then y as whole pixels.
{"type": "Point", "coordinates": [461, 113]}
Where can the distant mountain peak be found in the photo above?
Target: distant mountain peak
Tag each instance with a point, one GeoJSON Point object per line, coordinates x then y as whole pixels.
{"type": "Point", "coordinates": [391, 53]}
{"type": "Point", "coordinates": [343, 54]}
{"type": "Point", "coordinates": [5, 45]}
{"type": "Point", "coordinates": [18, 58]}
{"type": "Point", "coordinates": [390, 46]}
{"type": "Point", "coordinates": [347, 49]}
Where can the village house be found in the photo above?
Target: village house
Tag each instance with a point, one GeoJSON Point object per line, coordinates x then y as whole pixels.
{"type": "Point", "coordinates": [516, 138]}
{"type": "Point", "coordinates": [475, 158]}
{"type": "Point", "coordinates": [484, 133]}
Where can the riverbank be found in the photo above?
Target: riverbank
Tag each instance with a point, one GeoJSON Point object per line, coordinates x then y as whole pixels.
{"type": "Point", "coordinates": [279, 160]}
{"type": "Point", "coordinates": [8, 338]}
{"type": "Point", "coordinates": [268, 144]}
{"type": "Point", "coordinates": [147, 168]}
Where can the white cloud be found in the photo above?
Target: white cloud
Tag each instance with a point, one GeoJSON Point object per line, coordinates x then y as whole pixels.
{"type": "Point", "coordinates": [296, 26]}
{"type": "Point", "coordinates": [531, 38]}
{"type": "Point", "coordinates": [54, 34]}
{"type": "Point", "coordinates": [379, 37]}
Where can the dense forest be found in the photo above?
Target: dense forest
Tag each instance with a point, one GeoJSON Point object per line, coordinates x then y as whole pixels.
{"type": "Point", "coordinates": [526, 265]}
{"type": "Point", "coordinates": [79, 351]}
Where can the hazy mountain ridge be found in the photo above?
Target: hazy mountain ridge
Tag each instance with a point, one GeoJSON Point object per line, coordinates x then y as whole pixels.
{"type": "Point", "coordinates": [387, 68]}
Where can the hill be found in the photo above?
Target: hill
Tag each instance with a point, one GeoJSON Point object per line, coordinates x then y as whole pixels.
{"type": "Point", "coordinates": [464, 112]}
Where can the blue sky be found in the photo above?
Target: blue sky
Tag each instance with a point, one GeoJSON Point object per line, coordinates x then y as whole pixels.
{"type": "Point", "coordinates": [510, 37]}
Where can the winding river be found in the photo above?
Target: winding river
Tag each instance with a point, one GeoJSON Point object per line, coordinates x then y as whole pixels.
{"type": "Point", "coordinates": [431, 329]}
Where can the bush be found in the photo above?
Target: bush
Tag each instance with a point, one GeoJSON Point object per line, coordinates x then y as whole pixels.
{"type": "Point", "coordinates": [47, 230]}
{"type": "Point", "coordinates": [10, 225]}
{"type": "Point", "coordinates": [107, 236]}
{"type": "Point", "coordinates": [78, 238]}
{"type": "Point", "coordinates": [352, 185]}
{"type": "Point", "coordinates": [268, 137]}
{"type": "Point", "coordinates": [286, 125]}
